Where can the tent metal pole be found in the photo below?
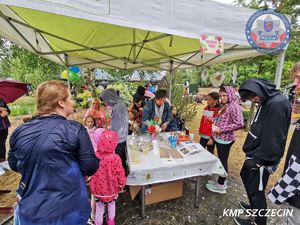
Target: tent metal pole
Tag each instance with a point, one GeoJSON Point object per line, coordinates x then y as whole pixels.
{"type": "Point", "coordinates": [94, 48]}
{"type": "Point", "coordinates": [144, 41]}
{"type": "Point", "coordinates": [217, 56]}
{"type": "Point", "coordinates": [170, 56]}
{"type": "Point", "coordinates": [171, 78]}
{"type": "Point", "coordinates": [279, 68]}
{"type": "Point", "coordinates": [68, 74]}
{"type": "Point", "coordinates": [133, 45]}
{"type": "Point", "coordinates": [193, 55]}
{"type": "Point", "coordinates": [57, 55]}
{"type": "Point", "coordinates": [105, 64]}
{"type": "Point", "coordinates": [84, 49]}
{"type": "Point", "coordinates": [167, 56]}
{"type": "Point", "coordinates": [20, 34]}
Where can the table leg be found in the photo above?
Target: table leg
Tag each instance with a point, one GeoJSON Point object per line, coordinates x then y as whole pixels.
{"type": "Point", "coordinates": [197, 192]}
{"type": "Point", "coordinates": [143, 201]}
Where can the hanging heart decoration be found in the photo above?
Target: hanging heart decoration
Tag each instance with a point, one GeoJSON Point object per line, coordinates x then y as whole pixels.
{"type": "Point", "coordinates": [217, 79]}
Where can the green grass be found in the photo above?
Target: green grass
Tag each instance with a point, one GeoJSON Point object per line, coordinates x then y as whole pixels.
{"type": "Point", "coordinates": [23, 106]}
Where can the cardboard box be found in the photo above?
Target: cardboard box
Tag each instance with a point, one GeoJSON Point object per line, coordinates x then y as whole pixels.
{"type": "Point", "coordinates": [159, 192]}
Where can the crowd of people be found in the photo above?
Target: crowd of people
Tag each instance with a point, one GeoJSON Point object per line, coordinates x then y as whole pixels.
{"type": "Point", "coordinates": [50, 148]}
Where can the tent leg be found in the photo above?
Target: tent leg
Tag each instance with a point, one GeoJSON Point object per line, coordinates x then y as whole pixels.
{"type": "Point", "coordinates": [67, 64]}
{"type": "Point", "coordinates": [171, 78]}
{"type": "Point", "coordinates": [279, 68]}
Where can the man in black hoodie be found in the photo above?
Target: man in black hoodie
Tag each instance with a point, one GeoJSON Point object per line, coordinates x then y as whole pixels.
{"type": "Point", "coordinates": [265, 143]}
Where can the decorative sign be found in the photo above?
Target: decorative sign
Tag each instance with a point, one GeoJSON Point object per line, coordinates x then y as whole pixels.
{"type": "Point", "coordinates": [217, 79]}
{"type": "Point", "coordinates": [211, 44]}
{"type": "Point", "coordinates": [234, 74]}
{"type": "Point", "coordinates": [268, 31]}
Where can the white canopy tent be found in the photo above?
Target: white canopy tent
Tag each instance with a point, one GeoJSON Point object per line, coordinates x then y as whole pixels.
{"type": "Point", "coordinates": [132, 34]}
{"type": "Point", "coordinates": [126, 34]}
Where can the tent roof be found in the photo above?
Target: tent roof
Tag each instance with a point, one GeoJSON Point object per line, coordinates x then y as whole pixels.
{"type": "Point", "coordinates": [125, 34]}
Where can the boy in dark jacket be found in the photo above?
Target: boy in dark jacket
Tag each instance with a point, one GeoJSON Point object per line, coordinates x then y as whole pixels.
{"type": "Point", "coordinates": [265, 143]}
{"type": "Point", "coordinates": [157, 107]}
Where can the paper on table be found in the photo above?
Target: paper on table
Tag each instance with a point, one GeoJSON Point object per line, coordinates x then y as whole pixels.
{"type": "Point", "coordinates": [208, 113]}
{"type": "Point", "coordinates": [188, 148]}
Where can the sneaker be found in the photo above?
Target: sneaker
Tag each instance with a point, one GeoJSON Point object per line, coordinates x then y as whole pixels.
{"type": "Point", "coordinates": [4, 165]}
{"type": "Point", "coordinates": [214, 181]}
{"type": "Point", "coordinates": [245, 206]}
{"type": "Point", "coordinates": [215, 187]}
{"type": "Point", "coordinates": [240, 221]}
{"type": "Point", "coordinates": [2, 171]}
{"type": "Point", "coordinates": [90, 221]}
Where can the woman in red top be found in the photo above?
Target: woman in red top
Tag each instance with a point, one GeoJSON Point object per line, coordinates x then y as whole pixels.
{"type": "Point", "coordinates": [210, 112]}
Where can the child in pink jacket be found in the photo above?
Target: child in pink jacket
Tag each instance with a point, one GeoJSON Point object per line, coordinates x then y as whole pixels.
{"type": "Point", "coordinates": [229, 120]}
{"type": "Point", "coordinates": [110, 178]}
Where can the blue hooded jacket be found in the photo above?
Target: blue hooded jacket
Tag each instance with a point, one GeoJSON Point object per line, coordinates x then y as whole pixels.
{"type": "Point", "coordinates": [56, 193]}
{"type": "Point", "coordinates": [149, 114]}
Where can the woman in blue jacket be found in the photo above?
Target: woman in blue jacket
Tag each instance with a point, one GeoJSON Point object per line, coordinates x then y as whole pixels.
{"type": "Point", "coordinates": [53, 155]}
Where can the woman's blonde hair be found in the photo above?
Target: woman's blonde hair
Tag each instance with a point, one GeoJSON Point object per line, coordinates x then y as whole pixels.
{"type": "Point", "coordinates": [49, 93]}
{"type": "Point", "coordinates": [96, 101]}
{"type": "Point", "coordinates": [294, 70]}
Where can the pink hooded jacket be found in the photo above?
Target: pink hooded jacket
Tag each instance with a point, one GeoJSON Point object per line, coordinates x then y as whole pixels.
{"type": "Point", "coordinates": [110, 178]}
{"type": "Point", "coordinates": [232, 117]}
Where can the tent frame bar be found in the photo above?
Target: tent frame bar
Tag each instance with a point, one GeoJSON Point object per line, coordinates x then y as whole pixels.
{"type": "Point", "coordinates": [279, 68]}
{"type": "Point", "coordinates": [78, 44]}
{"type": "Point", "coordinates": [145, 40]}
{"type": "Point", "coordinates": [225, 50]}
{"type": "Point", "coordinates": [166, 56]}
{"type": "Point", "coordinates": [140, 44]}
{"type": "Point", "coordinates": [193, 55]}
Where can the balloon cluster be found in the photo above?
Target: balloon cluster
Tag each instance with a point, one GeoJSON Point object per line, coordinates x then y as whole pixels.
{"type": "Point", "coordinates": [73, 73]}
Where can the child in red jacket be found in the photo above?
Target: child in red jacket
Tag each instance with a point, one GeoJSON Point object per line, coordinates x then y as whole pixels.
{"type": "Point", "coordinates": [209, 114]}
{"type": "Point", "coordinates": [110, 178]}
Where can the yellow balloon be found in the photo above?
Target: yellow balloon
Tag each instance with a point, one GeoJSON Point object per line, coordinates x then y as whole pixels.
{"type": "Point", "coordinates": [64, 74]}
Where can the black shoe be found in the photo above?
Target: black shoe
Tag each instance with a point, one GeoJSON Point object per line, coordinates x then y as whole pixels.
{"type": "Point", "coordinates": [240, 221]}
{"type": "Point", "coordinates": [245, 206]}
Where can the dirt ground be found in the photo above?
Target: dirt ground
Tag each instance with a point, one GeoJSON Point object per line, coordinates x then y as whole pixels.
{"type": "Point", "coordinates": [9, 181]}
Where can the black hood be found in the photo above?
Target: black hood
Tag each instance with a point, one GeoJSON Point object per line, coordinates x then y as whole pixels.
{"type": "Point", "coordinates": [141, 90]}
{"type": "Point", "coordinates": [263, 88]}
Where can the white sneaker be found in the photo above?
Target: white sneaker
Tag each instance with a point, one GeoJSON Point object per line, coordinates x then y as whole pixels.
{"type": "Point", "coordinates": [2, 171]}
{"type": "Point", "coordinates": [215, 181]}
{"type": "Point", "coordinates": [215, 187]}
{"type": "Point", "coordinates": [4, 165]}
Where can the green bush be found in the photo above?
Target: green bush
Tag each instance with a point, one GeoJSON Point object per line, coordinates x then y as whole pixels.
{"type": "Point", "coordinates": [23, 106]}
{"type": "Point", "coordinates": [246, 115]}
{"type": "Point", "coordinates": [83, 99]}
{"type": "Point", "coordinates": [186, 105]}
